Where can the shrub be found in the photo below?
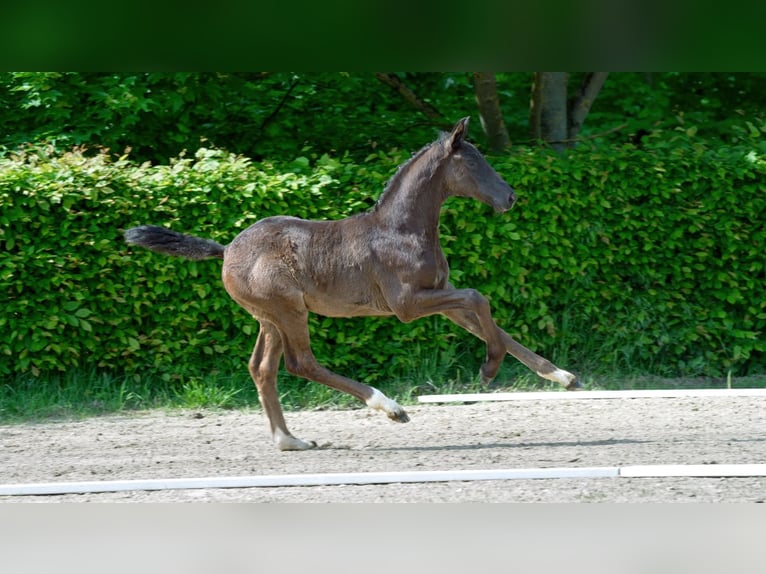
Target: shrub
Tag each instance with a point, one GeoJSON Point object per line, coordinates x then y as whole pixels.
{"type": "Point", "coordinates": [645, 258]}
{"type": "Point", "coordinates": [626, 258]}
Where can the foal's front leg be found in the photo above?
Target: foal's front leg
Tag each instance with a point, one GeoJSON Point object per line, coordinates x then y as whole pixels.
{"type": "Point", "coordinates": [457, 303]}
{"type": "Point", "coordinates": [543, 367]}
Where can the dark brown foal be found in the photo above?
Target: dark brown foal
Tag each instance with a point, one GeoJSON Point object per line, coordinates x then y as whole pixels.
{"type": "Point", "coordinates": [387, 261]}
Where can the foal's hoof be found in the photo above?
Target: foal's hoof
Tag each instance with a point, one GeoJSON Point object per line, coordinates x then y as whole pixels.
{"type": "Point", "coordinates": [485, 380]}
{"type": "Point", "coordinates": [488, 372]}
{"type": "Point", "coordinates": [381, 402]}
{"type": "Point", "coordinates": [563, 378]}
{"type": "Point", "coordinates": [399, 415]}
{"type": "Point", "coordinates": [289, 442]}
{"type": "Point", "coordinates": [575, 385]}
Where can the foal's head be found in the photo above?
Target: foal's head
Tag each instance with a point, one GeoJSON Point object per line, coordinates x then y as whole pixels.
{"type": "Point", "coordinates": [467, 173]}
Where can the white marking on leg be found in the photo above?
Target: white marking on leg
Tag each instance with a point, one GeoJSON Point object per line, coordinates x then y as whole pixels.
{"type": "Point", "coordinates": [289, 442]}
{"type": "Point", "coordinates": [564, 378]}
{"type": "Point", "coordinates": [381, 402]}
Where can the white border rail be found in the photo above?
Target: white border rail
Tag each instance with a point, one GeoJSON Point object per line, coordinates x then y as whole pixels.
{"type": "Point", "coordinates": [288, 480]}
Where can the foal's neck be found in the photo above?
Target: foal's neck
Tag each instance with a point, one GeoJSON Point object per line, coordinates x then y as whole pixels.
{"type": "Point", "coordinates": [412, 200]}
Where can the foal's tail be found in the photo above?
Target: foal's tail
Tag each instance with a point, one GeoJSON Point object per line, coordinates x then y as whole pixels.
{"type": "Point", "coordinates": [169, 242]}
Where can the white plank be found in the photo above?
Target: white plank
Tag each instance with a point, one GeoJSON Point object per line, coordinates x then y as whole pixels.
{"type": "Point", "coordinates": [581, 395]}
{"type": "Point", "coordinates": [306, 480]}
{"type": "Point", "coordinates": [693, 470]}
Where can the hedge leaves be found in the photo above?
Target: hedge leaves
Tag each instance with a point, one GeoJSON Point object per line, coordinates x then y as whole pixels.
{"type": "Point", "coordinates": [648, 258]}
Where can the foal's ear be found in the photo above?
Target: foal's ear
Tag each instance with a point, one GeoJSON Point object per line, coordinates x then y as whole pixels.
{"type": "Point", "coordinates": [458, 133]}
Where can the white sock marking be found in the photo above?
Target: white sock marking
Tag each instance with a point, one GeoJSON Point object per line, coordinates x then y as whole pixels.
{"type": "Point", "coordinates": [564, 378]}
{"type": "Point", "coordinates": [381, 402]}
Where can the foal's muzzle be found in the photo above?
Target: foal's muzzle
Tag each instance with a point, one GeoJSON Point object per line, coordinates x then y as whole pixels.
{"type": "Point", "coordinates": [503, 204]}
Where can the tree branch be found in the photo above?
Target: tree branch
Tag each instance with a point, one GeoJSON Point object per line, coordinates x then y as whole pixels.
{"type": "Point", "coordinates": [411, 97]}
{"type": "Point", "coordinates": [268, 119]}
{"type": "Point", "coordinates": [581, 102]}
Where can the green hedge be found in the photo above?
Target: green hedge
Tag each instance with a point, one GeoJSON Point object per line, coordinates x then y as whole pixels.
{"type": "Point", "coordinates": [644, 259]}
{"type": "Point", "coordinates": [626, 258]}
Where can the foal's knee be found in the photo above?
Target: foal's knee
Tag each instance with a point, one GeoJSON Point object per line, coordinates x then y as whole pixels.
{"type": "Point", "coordinates": [252, 366]}
{"type": "Point", "coordinates": [259, 372]}
{"type": "Point", "coordinates": [477, 302]}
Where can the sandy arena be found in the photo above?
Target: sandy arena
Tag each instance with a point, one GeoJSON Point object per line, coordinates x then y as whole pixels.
{"type": "Point", "coordinates": [484, 435]}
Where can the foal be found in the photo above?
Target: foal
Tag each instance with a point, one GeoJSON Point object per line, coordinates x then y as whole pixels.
{"type": "Point", "coordinates": [387, 261]}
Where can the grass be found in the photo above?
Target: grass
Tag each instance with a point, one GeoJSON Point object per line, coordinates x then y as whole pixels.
{"type": "Point", "coordinates": [81, 394]}
{"type": "Point", "coordinates": [92, 393]}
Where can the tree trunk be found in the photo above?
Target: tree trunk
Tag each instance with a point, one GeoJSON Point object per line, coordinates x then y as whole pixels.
{"type": "Point", "coordinates": [553, 117]}
{"type": "Point", "coordinates": [489, 111]}
{"type": "Point", "coordinates": [548, 108]}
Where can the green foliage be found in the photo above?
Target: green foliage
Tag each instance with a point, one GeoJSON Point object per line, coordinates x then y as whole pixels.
{"type": "Point", "coordinates": [261, 115]}
{"type": "Point", "coordinates": [644, 258]}
{"type": "Point", "coordinates": [284, 114]}
{"type": "Point", "coordinates": [618, 258]}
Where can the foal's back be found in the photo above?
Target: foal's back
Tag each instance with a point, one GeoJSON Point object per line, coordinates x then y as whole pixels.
{"type": "Point", "coordinates": [325, 267]}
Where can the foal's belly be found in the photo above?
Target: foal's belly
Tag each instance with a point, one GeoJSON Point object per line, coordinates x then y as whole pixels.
{"type": "Point", "coordinates": [331, 305]}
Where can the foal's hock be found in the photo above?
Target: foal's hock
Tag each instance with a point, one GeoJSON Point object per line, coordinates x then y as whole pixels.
{"type": "Point", "coordinates": [386, 261]}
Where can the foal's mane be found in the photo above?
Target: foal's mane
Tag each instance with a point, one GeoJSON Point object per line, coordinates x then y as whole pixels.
{"type": "Point", "coordinates": [396, 179]}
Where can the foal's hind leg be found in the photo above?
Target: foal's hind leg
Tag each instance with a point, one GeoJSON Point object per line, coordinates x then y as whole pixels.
{"type": "Point", "coordinates": [300, 361]}
{"type": "Point", "coordinates": [543, 367]}
{"type": "Point", "coordinates": [263, 366]}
